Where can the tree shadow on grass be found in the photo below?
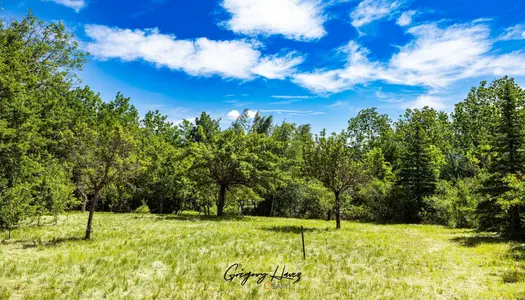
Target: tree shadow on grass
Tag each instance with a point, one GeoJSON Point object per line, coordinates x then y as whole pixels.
{"type": "Point", "coordinates": [516, 252]}
{"type": "Point", "coordinates": [187, 217]}
{"type": "Point", "coordinates": [52, 243]}
{"type": "Point", "coordinates": [292, 229]}
{"type": "Point", "coordinates": [473, 241]}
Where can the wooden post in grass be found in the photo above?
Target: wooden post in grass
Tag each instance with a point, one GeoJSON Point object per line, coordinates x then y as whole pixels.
{"type": "Point", "coordinates": [302, 235]}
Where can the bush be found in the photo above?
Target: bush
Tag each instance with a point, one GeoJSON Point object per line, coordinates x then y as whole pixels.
{"type": "Point", "coordinates": [143, 209]}
{"type": "Point", "coordinates": [453, 204]}
{"type": "Point", "coordinates": [376, 198]}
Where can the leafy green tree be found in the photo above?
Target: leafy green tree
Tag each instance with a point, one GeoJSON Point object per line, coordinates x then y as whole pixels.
{"type": "Point", "coordinates": [376, 194]}
{"type": "Point", "coordinates": [163, 184]}
{"type": "Point", "coordinates": [474, 124]}
{"type": "Point", "coordinates": [454, 203]}
{"type": "Point", "coordinates": [55, 192]}
{"type": "Point", "coordinates": [37, 69]}
{"type": "Point", "coordinates": [234, 159]}
{"type": "Point", "coordinates": [15, 205]}
{"type": "Point", "coordinates": [259, 124]}
{"type": "Point", "coordinates": [105, 150]}
{"type": "Point", "coordinates": [205, 128]}
{"type": "Point", "coordinates": [331, 161]}
{"type": "Point", "coordinates": [369, 130]}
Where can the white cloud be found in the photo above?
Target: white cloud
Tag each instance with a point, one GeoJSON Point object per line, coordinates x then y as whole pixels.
{"type": "Point", "coordinates": [291, 97]}
{"type": "Point", "coordinates": [435, 58]}
{"type": "Point", "coordinates": [201, 57]}
{"type": "Point", "coordinates": [289, 101]}
{"type": "Point", "coordinates": [180, 121]}
{"type": "Point", "coordinates": [292, 112]}
{"type": "Point", "coordinates": [233, 115]}
{"type": "Point", "coordinates": [358, 70]}
{"type": "Point", "coordinates": [388, 97]}
{"type": "Point", "coordinates": [77, 5]}
{"type": "Point", "coordinates": [406, 18]}
{"type": "Point", "coordinates": [295, 19]}
{"type": "Point", "coordinates": [438, 57]}
{"type": "Point", "coordinates": [237, 103]}
{"type": "Point", "coordinates": [321, 81]}
{"type": "Point", "coordinates": [514, 33]}
{"type": "Point", "coordinates": [372, 10]}
{"type": "Point", "coordinates": [275, 67]}
{"type": "Point", "coordinates": [339, 103]}
{"type": "Point", "coordinates": [437, 103]}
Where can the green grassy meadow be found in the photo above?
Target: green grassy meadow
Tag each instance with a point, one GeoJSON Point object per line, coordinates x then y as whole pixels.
{"type": "Point", "coordinates": [185, 257]}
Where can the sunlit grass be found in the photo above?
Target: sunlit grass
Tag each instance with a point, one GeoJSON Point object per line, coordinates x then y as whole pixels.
{"type": "Point", "coordinates": [186, 256]}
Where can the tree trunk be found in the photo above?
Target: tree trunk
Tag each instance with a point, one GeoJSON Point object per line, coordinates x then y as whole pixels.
{"type": "Point", "coordinates": [9, 233]}
{"type": "Point", "coordinates": [271, 208]}
{"type": "Point", "coordinates": [337, 211]}
{"type": "Point", "coordinates": [222, 200]}
{"type": "Point", "coordinates": [90, 218]}
{"type": "Point", "coordinates": [329, 216]}
{"type": "Point", "coordinates": [515, 221]}
{"type": "Point", "coordinates": [84, 203]}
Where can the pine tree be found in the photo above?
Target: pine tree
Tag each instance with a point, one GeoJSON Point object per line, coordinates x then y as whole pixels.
{"type": "Point", "coordinates": [508, 167]}
{"type": "Point", "coordinates": [417, 175]}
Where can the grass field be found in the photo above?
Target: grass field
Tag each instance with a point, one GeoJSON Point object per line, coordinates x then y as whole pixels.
{"type": "Point", "coordinates": [185, 257]}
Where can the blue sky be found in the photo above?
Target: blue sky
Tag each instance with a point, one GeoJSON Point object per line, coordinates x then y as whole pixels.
{"type": "Point", "coordinates": [306, 61]}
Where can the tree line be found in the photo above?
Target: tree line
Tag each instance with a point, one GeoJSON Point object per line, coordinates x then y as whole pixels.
{"type": "Point", "coordinates": [62, 147]}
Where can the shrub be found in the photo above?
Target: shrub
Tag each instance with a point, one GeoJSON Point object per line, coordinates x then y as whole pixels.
{"type": "Point", "coordinates": [143, 209]}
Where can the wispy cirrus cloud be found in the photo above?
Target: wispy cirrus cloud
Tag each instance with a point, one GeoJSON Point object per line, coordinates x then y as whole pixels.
{"type": "Point", "coordinates": [406, 18]}
{"type": "Point", "coordinates": [368, 11]}
{"type": "Point", "coordinates": [514, 33]}
{"type": "Point", "coordinates": [294, 19]}
{"type": "Point", "coordinates": [237, 103]}
{"type": "Point", "coordinates": [291, 97]}
{"type": "Point", "coordinates": [277, 67]}
{"type": "Point", "coordinates": [435, 58]}
{"type": "Point", "coordinates": [237, 59]}
{"type": "Point", "coordinates": [293, 112]}
{"type": "Point", "coordinates": [283, 102]}
{"type": "Point", "coordinates": [77, 5]}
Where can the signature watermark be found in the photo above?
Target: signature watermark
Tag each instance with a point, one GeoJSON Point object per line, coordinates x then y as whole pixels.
{"type": "Point", "coordinates": [275, 278]}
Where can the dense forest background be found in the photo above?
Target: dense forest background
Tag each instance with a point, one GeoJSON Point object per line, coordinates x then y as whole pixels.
{"type": "Point", "coordinates": [62, 147]}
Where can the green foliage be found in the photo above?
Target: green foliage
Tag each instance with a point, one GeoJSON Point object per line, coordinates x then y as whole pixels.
{"type": "Point", "coordinates": [232, 159]}
{"type": "Point", "coordinates": [474, 124]}
{"type": "Point", "coordinates": [55, 192]}
{"type": "Point", "coordinates": [331, 162]}
{"type": "Point", "coordinates": [143, 209]}
{"type": "Point", "coordinates": [15, 206]}
{"type": "Point", "coordinates": [454, 204]}
{"type": "Point", "coordinates": [369, 130]}
{"type": "Point", "coordinates": [422, 136]}
{"type": "Point", "coordinates": [62, 146]}
{"type": "Point", "coordinates": [104, 147]}
{"type": "Point", "coordinates": [507, 168]}
{"type": "Point", "coordinates": [37, 66]}
{"type": "Point", "coordinates": [375, 199]}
